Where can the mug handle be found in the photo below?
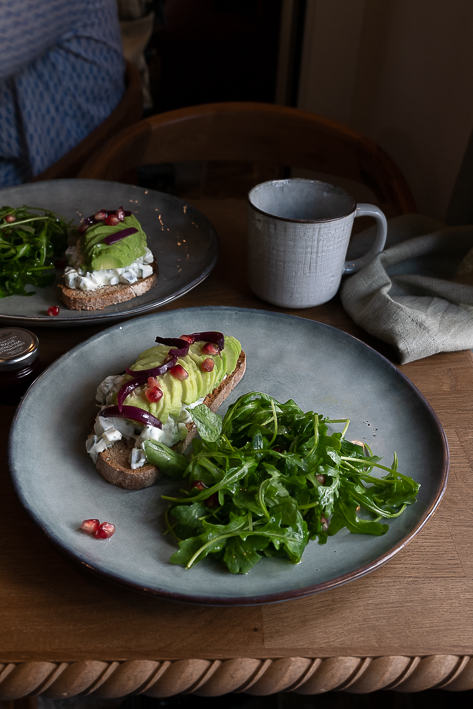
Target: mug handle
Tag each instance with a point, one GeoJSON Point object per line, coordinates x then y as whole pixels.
{"type": "Point", "coordinates": [369, 210]}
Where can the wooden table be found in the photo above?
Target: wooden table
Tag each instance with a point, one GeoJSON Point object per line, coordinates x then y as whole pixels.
{"type": "Point", "coordinates": [407, 626]}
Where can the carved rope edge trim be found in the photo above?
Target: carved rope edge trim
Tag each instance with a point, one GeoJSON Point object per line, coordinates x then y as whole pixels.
{"type": "Point", "coordinates": [302, 675]}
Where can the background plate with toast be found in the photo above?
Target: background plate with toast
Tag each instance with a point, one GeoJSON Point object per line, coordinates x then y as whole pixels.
{"type": "Point", "coordinates": [320, 367]}
{"type": "Point", "coordinates": [183, 241]}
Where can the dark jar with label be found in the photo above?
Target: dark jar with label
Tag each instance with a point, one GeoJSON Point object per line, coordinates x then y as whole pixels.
{"type": "Point", "coordinates": [19, 363]}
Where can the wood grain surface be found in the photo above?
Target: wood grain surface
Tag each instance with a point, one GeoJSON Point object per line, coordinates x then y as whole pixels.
{"type": "Point", "coordinates": [407, 626]}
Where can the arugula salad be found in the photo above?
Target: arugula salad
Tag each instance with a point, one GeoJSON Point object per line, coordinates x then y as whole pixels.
{"type": "Point", "coordinates": [269, 478]}
{"type": "Point", "coordinates": [31, 239]}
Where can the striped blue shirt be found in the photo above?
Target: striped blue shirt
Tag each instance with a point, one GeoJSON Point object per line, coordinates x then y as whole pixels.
{"type": "Point", "coordinates": [61, 75]}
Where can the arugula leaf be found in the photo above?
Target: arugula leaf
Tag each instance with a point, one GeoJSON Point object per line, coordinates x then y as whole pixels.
{"type": "Point", "coordinates": [241, 555]}
{"type": "Point", "coordinates": [31, 240]}
{"type": "Point", "coordinates": [188, 520]}
{"type": "Point", "coordinates": [167, 460]}
{"type": "Point", "coordinates": [209, 425]}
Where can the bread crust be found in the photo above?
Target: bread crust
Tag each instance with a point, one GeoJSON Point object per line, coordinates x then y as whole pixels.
{"type": "Point", "coordinates": [104, 296]}
{"type": "Point", "coordinates": [113, 462]}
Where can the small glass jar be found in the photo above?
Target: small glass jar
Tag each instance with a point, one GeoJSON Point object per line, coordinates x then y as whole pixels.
{"type": "Point", "coordinates": [19, 362]}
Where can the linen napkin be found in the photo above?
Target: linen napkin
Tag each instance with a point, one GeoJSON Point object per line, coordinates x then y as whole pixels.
{"type": "Point", "coordinates": [417, 295]}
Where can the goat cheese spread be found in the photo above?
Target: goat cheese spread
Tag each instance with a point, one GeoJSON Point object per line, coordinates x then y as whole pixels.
{"type": "Point", "coordinates": [108, 430]}
{"type": "Point", "coordinates": [79, 278]}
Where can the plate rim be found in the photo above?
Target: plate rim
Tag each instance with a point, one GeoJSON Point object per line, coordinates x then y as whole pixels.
{"type": "Point", "coordinates": [99, 316]}
{"type": "Point", "coordinates": [258, 599]}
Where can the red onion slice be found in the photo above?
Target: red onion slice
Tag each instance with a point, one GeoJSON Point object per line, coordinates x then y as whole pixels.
{"type": "Point", "coordinates": [132, 412]}
{"type": "Point", "coordinates": [182, 345]}
{"type": "Point", "coordinates": [212, 336]}
{"type": "Point", "coordinates": [118, 235]}
{"type": "Point", "coordinates": [126, 389]}
{"type": "Point", "coordinates": [143, 374]}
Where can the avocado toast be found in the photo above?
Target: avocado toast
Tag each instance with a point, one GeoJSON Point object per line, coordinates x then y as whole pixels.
{"type": "Point", "coordinates": [109, 264]}
{"type": "Point", "coordinates": [151, 401]}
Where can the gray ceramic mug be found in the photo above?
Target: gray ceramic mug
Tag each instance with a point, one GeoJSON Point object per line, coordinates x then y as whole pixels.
{"type": "Point", "coordinates": [298, 236]}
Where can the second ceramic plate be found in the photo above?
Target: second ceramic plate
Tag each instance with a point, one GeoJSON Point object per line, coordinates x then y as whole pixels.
{"type": "Point", "coordinates": [182, 240]}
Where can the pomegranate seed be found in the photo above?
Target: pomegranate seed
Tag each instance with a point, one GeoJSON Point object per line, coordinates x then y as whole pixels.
{"type": "Point", "coordinates": [105, 530]}
{"type": "Point", "coordinates": [10, 218]}
{"type": "Point", "coordinates": [179, 372]}
{"type": "Point", "coordinates": [83, 228]}
{"type": "Point", "coordinates": [324, 523]}
{"type": "Point", "coordinates": [199, 485]}
{"type": "Point", "coordinates": [152, 382]}
{"type": "Point", "coordinates": [112, 220]}
{"type": "Point", "coordinates": [90, 525]}
{"type": "Point", "coordinates": [153, 394]}
{"type": "Point", "coordinates": [212, 501]}
{"type": "Point", "coordinates": [207, 365]}
{"type": "Point", "coordinates": [209, 348]}
{"type": "Point", "coordinates": [53, 310]}
{"type": "Point", "coordinates": [188, 338]}
{"type": "Point", "coordinates": [120, 213]}
{"type": "Point", "coordinates": [101, 215]}
{"type": "Point", "coordinates": [320, 479]}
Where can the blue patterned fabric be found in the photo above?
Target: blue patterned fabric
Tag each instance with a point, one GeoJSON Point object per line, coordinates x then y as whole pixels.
{"type": "Point", "coordinates": [61, 75]}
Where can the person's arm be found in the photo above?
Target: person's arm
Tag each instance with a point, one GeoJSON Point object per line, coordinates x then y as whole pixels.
{"type": "Point", "coordinates": [30, 28]}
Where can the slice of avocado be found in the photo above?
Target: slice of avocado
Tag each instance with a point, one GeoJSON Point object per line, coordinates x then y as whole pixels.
{"type": "Point", "coordinates": [189, 386]}
{"type": "Point", "coordinates": [151, 358]}
{"type": "Point", "coordinates": [164, 406]}
{"type": "Point", "coordinates": [197, 360]}
{"type": "Point", "coordinates": [118, 255]}
{"type": "Point", "coordinates": [176, 395]}
{"type": "Point", "coordinates": [232, 350]}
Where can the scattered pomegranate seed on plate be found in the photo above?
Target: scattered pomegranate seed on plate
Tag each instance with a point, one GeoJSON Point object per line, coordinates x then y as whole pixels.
{"type": "Point", "coordinates": [90, 525]}
{"type": "Point", "coordinates": [53, 310]}
{"type": "Point", "coordinates": [101, 531]}
{"type": "Point", "coordinates": [105, 530]}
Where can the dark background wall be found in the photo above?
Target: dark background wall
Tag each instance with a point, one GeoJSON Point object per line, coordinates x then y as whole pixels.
{"type": "Point", "coordinates": [215, 50]}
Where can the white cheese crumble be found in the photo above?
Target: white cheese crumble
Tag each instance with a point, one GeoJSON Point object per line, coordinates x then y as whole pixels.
{"type": "Point", "coordinates": [79, 279]}
{"type": "Point", "coordinates": [108, 430]}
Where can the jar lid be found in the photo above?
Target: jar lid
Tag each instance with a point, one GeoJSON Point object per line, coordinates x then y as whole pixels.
{"type": "Point", "coordinates": [18, 348]}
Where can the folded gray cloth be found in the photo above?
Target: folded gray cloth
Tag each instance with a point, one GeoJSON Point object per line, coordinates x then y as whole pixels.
{"type": "Point", "coordinates": [417, 295]}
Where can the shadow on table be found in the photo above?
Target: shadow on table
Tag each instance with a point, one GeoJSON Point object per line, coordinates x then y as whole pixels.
{"type": "Point", "coordinates": [430, 699]}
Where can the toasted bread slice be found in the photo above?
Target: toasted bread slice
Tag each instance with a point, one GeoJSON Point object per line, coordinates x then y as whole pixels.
{"type": "Point", "coordinates": [107, 295]}
{"type": "Point", "coordinates": [113, 463]}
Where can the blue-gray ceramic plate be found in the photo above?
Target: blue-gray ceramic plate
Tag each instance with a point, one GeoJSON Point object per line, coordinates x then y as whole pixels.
{"type": "Point", "coordinates": [182, 240]}
{"type": "Point", "coordinates": [322, 368]}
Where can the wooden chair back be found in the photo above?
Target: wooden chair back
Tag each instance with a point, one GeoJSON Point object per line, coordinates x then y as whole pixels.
{"type": "Point", "coordinates": [128, 111]}
{"type": "Point", "coordinates": [254, 133]}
